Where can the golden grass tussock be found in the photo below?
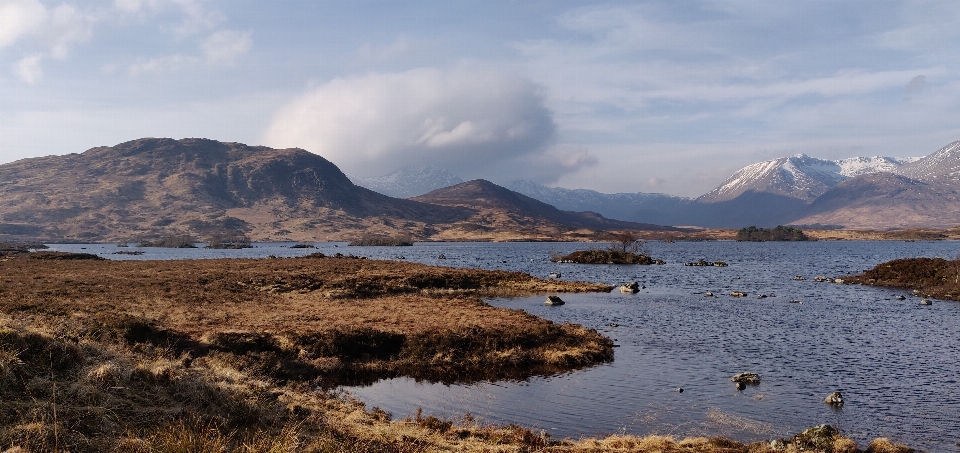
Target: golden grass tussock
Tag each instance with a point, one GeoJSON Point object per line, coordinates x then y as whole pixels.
{"type": "Point", "coordinates": [197, 356]}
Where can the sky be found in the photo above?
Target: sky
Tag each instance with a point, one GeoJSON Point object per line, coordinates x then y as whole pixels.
{"type": "Point", "coordinates": [640, 96]}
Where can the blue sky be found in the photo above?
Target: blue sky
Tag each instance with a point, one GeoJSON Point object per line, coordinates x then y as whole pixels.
{"type": "Point", "coordinates": [640, 96]}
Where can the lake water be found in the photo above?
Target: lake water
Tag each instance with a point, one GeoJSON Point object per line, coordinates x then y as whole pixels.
{"type": "Point", "coordinates": [897, 363]}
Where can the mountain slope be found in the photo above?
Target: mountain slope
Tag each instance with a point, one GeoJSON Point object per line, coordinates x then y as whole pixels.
{"type": "Point", "coordinates": [886, 200]}
{"type": "Point", "coordinates": [506, 209]}
{"type": "Point", "coordinates": [196, 186]}
{"type": "Point", "coordinates": [408, 181]}
{"type": "Point", "coordinates": [942, 166]}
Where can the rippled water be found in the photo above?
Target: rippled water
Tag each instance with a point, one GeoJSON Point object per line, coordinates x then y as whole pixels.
{"type": "Point", "coordinates": [896, 363]}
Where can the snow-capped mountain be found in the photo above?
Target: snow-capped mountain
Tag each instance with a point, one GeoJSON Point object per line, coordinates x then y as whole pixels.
{"type": "Point", "coordinates": [408, 181]}
{"type": "Point", "coordinates": [942, 166]}
{"type": "Point", "coordinates": [635, 207]}
{"type": "Point", "coordinates": [800, 177]}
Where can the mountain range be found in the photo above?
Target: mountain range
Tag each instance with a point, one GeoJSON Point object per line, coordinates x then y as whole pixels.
{"type": "Point", "coordinates": [857, 192]}
{"type": "Point", "coordinates": [154, 187]}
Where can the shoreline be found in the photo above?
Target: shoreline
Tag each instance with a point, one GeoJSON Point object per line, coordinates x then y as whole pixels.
{"type": "Point", "coordinates": [133, 355]}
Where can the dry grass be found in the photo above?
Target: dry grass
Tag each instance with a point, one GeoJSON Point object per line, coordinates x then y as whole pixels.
{"type": "Point", "coordinates": [234, 356]}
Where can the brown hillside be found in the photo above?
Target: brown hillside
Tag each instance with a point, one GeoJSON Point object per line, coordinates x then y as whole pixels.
{"type": "Point", "coordinates": [885, 200]}
{"type": "Point", "coordinates": [153, 186]}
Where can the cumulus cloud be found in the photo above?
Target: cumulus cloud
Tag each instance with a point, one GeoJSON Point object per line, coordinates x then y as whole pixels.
{"type": "Point", "coordinates": [475, 123]}
{"type": "Point", "coordinates": [19, 18]}
{"type": "Point", "coordinates": [226, 45]}
{"type": "Point", "coordinates": [67, 26]}
{"type": "Point", "coordinates": [28, 69]}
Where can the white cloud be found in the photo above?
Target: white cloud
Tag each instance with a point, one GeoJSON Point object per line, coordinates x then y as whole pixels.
{"type": "Point", "coordinates": [67, 25]}
{"type": "Point", "coordinates": [226, 45]}
{"type": "Point", "coordinates": [195, 18]}
{"type": "Point", "coordinates": [476, 123]}
{"type": "Point", "coordinates": [28, 69]}
{"type": "Point", "coordinates": [19, 18]}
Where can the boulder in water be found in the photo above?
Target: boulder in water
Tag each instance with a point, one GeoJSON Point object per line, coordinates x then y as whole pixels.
{"type": "Point", "coordinates": [834, 398]}
{"type": "Point", "coordinates": [630, 288]}
{"type": "Point", "coordinates": [553, 301]}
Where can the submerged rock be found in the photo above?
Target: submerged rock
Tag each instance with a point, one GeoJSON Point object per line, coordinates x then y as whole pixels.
{"type": "Point", "coordinates": [553, 301]}
{"type": "Point", "coordinates": [738, 294]}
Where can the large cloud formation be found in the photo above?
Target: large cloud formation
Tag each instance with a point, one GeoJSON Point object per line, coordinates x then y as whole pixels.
{"type": "Point", "coordinates": [478, 124]}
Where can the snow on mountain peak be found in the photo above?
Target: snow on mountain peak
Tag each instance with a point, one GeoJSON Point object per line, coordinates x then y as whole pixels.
{"type": "Point", "coordinates": [943, 165]}
{"type": "Point", "coordinates": [800, 176]}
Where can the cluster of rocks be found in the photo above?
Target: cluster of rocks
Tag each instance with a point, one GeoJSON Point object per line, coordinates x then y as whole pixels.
{"type": "Point", "coordinates": [819, 279]}
{"type": "Point", "coordinates": [705, 263]}
{"type": "Point", "coordinates": [742, 380]}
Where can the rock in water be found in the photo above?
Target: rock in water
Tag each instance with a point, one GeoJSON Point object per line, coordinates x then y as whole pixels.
{"type": "Point", "coordinates": [834, 398]}
{"type": "Point", "coordinates": [746, 378]}
{"type": "Point", "coordinates": [630, 288]}
{"type": "Point", "coordinates": [553, 301]}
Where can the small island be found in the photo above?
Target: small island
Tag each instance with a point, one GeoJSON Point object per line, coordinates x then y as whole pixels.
{"type": "Point", "coordinates": [780, 233]}
{"type": "Point", "coordinates": [927, 277]}
{"type": "Point", "coordinates": [625, 249]}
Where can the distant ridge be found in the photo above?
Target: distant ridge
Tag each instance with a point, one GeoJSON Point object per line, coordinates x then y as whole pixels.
{"type": "Point", "coordinates": [521, 210]}
{"type": "Point", "coordinates": [633, 207]}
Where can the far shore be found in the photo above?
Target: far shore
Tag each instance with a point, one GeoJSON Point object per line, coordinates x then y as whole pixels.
{"type": "Point", "coordinates": [685, 234]}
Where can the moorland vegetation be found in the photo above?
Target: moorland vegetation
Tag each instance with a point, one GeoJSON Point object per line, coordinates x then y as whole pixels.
{"type": "Point", "coordinates": [930, 277]}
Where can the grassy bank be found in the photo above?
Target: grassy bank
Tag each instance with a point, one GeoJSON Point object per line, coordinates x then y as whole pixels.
{"type": "Point", "coordinates": [240, 356]}
{"type": "Point", "coordinates": [930, 277]}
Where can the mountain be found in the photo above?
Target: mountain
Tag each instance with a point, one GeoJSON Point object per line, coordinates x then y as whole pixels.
{"type": "Point", "coordinates": [634, 207]}
{"type": "Point", "coordinates": [408, 181]}
{"type": "Point", "coordinates": [779, 190]}
{"type": "Point", "coordinates": [158, 186]}
{"type": "Point", "coordinates": [505, 209]}
{"type": "Point", "coordinates": [802, 177]}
